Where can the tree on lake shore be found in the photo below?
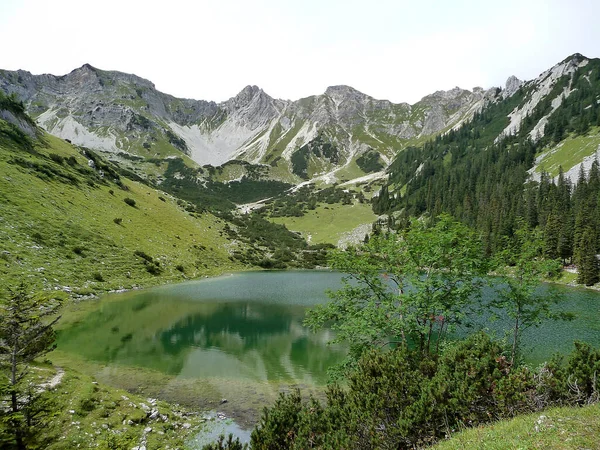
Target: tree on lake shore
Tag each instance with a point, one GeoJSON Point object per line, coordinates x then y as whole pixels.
{"type": "Point", "coordinates": [26, 333]}
{"type": "Point", "coordinates": [414, 285]}
{"type": "Point", "coordinates": [523, 267]}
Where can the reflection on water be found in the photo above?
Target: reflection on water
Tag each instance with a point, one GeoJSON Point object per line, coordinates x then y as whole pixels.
{"type": "Point", "coordinates": [235, 327]}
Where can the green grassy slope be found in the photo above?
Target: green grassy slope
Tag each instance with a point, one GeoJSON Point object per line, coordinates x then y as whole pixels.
{"type": "Point", "coordinates": [556, 428]}
{"type": "Point", "coordinates": [59, 225]}
{"type": "Point", "coordinates": [90, 415]}
{"type": "Point", "coordinates": [569, 152]}
{"type": "Point", "coordinates": [328, 223]}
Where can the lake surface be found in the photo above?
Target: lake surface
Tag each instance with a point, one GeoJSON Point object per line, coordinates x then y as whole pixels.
{"type": "Point", "coordinates": [240, 337]}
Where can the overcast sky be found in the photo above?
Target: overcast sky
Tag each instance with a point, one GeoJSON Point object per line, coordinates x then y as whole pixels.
{"type": "Point", "coordinates": [390, 49]}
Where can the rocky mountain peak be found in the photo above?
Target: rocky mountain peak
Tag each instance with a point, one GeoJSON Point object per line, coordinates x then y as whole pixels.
{"type": "Point", "coordinates": [342, 92]}
{"type": "Point", "coordinates": [512, 85]}
{"type": "Point", "coordinates": [252, 107]}
{"type": "Point", "coordinates": [250, 94]}
{"type": "Point", "coordinates": [575, 58]}
{"type": "Point", "coordinates": [446, 95]}
{"type": "Point", "coordinates": [85, 68]}
{"type": "Point", "coordinates": [107, 77]}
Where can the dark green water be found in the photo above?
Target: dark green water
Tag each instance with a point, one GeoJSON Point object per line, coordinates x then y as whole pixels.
{"type": "Point", "coordinates": [246, 329]}
{"type": "Point", "coordinates": [245, 326]}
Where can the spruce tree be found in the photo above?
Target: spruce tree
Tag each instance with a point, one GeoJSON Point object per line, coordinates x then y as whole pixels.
{"type": "Point", "coordinates": [552, 235]}
{"type": "Point", "coordinates": [24, 336]}
{"type": "Point", "coordinates": [588, 267]}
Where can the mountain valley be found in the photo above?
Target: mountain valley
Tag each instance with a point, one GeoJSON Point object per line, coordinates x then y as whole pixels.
{"type": "Point", "coordinates": [107, 184]}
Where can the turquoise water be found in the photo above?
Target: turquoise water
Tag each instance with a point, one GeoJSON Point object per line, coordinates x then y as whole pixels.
{"type": "Point", "coordinates": [241, 337]}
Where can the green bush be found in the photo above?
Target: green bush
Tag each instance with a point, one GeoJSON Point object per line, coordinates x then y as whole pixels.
{"type": "Point", "coordinates": [402, 399]}
{"type": "Point", "coordinates": [573, 383]}
{"type": "Point", "coordinates": [117, 220]}
{"type": "Point", "coordinates": [144, 255]}
{"type": "Point", "coordinates": [37, 237]}
{"type": "Point", "coordinates": [154, 269]}
{"type": "Point", "coordinates": [98, 277]}
{"type": "Point", "coordinates": [71, 160]}
{"type": "Point", "coordinates": [229, 444]}
{"type": "Point", "coordinates": [78, 250]}
{"type": "Point", "coordinates": [129, 201]}
{"type": "Point", "coordinates": [56, 158]}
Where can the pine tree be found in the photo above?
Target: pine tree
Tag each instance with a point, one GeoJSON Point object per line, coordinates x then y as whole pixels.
{"type": "Point", "coordinates": [565, 212]}
{"type": "Point", "coordinates": [588, 267]}
{"type": "Point", "coordinates": [552, 234]}
{"type": "Point", "coordinates": [24, 336]}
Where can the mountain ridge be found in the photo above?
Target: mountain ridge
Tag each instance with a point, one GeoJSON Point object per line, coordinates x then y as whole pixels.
{"type": "Point", "coordinates": [322, 137]}
{"type": "Point", "coordinates": [84, 105]}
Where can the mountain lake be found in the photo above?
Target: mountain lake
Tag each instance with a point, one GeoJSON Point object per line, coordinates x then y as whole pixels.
{"type": "Point", "coordinates": [240, 338]}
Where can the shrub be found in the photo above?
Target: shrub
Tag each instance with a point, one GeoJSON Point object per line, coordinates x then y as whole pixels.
{"type": "Point", "coordinates": [71, 160]}
{"type": "Point", "coordinates": [56, 158]}
{"type": "Point", "coordinates": [98, 277]}
{"type": "Point", "coordinates": [180, 268]}
{"type": "Point", "coordinates": [78, 250]}
{"type": "Point", "coordinates": [401, 399]}
{"type": "Point", "coordinates": [129, 201]}
{"type": "Point", "coordinates": [117, 220]}
{"type": "Point", "coordinates": [229, 444]}
{"type": "Point", "coordinates": [88, 404]}
{"type": "Point", "coordinates": [153, 268]}
{"type": "Point", "coordinates": [37, 237]}
{"type": "Point", "coordinates": [573, 383]}
{"type": "Point", "coordinates": [143, 255]}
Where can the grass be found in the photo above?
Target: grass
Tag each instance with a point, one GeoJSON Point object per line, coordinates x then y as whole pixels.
{"type": "Point", "coordinates": [556, 428]}
{"type": "Point", "coordinates": [569, 152]}
{"type": "Point", "coordinates": [567, 278]}
{"type": "Point", "coordinates": [349, 172]}
{"type": "Point", "coordinates": [58, 234]}
{"type": "Point", "coordinates": [328, 223]}
{"type": "Point", "coordinates": [87, 414]}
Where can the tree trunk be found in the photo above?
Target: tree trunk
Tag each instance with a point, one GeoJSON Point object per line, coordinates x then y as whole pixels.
{"type": "Point", "coordinates": [515, 342]}
{"type": "Point", "coordinates": [14, 400]}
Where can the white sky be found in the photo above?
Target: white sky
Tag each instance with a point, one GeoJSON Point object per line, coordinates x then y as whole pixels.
{"type": "Point", "coordinates": [391, 49]}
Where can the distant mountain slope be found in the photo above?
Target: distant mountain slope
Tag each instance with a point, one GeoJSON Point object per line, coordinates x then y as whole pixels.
{"type": "Point", "coordinates": [315, 136]}
{"type": "Point", "coordinates": [70, 221]}
{"type": "Point", "coordinates": [503, 167]}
